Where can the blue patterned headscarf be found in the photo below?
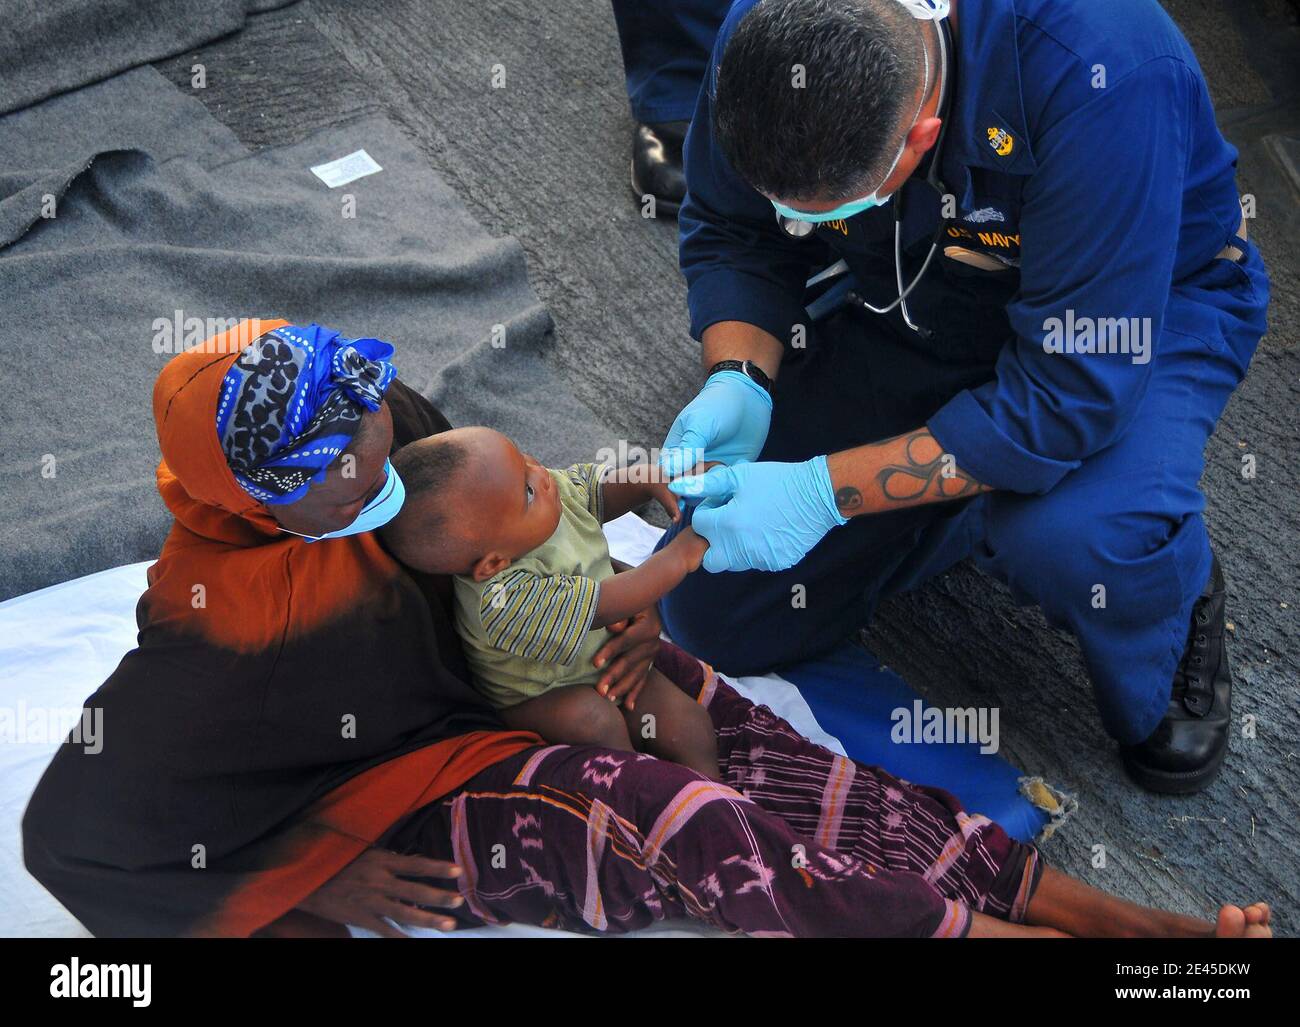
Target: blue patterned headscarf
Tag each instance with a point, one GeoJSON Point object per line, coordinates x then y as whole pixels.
{"type": "Point", "coordinates": [292, 402]}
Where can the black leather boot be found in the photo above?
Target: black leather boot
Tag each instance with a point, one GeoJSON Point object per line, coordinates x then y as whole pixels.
{"type": "Point", "coordinates": [1187, 748]}
{"type": "Point", "coordinates": [657, 165]}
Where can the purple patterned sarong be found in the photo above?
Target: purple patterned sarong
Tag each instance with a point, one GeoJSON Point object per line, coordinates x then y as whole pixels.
{"type": "Point", "coordinates": [799, 841]}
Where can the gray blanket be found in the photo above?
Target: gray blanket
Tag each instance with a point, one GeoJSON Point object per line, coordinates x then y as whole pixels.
{"type": "Point", "coordinates": [165, 229]}
{"type": "Point", "coordinates": [50, 46]}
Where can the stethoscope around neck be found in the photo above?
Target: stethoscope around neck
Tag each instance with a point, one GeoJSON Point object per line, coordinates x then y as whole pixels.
{"type": "Point", "coordinates": [803, 229]}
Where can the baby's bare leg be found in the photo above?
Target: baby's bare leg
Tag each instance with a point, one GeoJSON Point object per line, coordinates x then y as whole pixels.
{"type": "Point", "coordinates": [574, 715]}
{"type": "Point", "coordinates": [669, 724]}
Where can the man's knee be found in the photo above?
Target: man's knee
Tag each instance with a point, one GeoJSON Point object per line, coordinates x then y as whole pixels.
{"type": "Point", "coordinates": [1039, 539]}
{"type": "Point", "coordinates": [1081, 551]}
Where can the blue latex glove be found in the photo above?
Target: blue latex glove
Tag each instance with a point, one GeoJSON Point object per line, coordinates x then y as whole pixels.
{"type": "Point", "coordinates": [763, 516]}
{"type": "Point", "coordinates": [726, 422]}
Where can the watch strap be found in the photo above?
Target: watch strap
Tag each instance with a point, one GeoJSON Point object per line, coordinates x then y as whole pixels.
{"type": "Point", "coordinates": [746, 367]}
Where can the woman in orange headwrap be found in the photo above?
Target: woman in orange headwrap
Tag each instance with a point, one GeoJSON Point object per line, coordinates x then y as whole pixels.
{"type": "Point", "coordinates": [288, 700]}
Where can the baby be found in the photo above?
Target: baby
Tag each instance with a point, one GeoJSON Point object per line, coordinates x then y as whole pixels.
{"type": "Point", "coordinates": [535, 589]}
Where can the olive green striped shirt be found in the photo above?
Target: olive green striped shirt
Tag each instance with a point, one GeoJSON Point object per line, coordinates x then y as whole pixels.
{"type": "Point", "coordinates": [527, 629]}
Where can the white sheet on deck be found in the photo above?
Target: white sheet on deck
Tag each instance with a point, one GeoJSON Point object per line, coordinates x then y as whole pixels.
{"type": "Point", "coordinates": [59, 644]}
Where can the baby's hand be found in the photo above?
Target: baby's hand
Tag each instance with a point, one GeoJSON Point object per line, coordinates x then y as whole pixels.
{"type": "Point", "coordinates": [693, 547]}
{"type": "Point", "coordinates": [699, 468]}
{"type": "Point", "coordinates": [672, 505]}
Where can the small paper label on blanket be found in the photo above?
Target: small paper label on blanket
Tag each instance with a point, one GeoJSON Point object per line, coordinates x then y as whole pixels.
{"type": "Point", "coordinates": [346, 169]}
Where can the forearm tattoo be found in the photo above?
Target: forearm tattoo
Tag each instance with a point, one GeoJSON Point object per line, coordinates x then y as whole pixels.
{"type": "Point", "coordinates": [849, 500]}
{"type": "Point", "coordinates": [925, 472]}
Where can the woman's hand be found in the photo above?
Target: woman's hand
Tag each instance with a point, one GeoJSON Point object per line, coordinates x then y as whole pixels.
{"type": "Point", "coordinates": [375, 885]}
{"type": "Point", "coordinates": [627, 657]}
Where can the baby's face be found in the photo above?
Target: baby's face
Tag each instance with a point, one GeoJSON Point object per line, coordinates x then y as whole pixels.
{"type": "Point", "coordinates": [511, 497]}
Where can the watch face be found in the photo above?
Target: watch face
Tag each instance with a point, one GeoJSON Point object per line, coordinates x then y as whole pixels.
{"type": "Point", "coordinates": [757, 374]}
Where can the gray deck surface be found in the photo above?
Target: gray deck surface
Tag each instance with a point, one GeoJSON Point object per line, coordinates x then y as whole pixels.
{"type": "Point", "coordinates": [546, 159]}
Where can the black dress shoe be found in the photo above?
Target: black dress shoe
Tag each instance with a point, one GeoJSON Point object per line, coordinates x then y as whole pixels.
{"type": "Point", "coordinates": [1187, 749]}
{"type": "Point", "coordinates": [657, 164]}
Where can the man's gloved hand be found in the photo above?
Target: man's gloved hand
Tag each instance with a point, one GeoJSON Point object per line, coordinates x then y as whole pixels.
{"type": "Point", "coordinates": [763, 516]}
{"type": "Point", "coordinates": [727, 422]}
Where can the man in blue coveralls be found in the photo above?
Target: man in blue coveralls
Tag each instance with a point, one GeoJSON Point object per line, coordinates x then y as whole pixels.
{"type": "Point", "coordinates": [1043, 184]}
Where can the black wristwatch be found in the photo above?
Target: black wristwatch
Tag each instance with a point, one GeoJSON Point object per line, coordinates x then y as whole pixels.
{"type": "Point", "coordinates": [745, 367]}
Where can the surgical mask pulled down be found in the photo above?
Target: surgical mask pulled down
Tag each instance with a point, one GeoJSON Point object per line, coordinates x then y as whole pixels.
{"type": "Point", "coordinates": [375, 514]}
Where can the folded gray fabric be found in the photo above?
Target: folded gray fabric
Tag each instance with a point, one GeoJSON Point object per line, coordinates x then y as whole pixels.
{"type": "Point", "coordinates": [50, 46]}
{"type": "Point", "coordinates": [138, 108]}
{"type": "Point", "coordinates": [147, 255]}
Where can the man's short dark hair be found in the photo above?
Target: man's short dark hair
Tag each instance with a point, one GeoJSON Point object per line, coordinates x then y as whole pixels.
{"type": "Point", "coordinates": [834, 136]}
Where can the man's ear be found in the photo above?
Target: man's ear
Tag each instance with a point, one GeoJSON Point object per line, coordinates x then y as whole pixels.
{"type": "Point", "coordinates": [924, 134]}
{"type": "Point", "coordinates": [486, 566]}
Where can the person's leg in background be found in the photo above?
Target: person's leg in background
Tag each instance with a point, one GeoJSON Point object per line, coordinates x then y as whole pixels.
{"type": "Point", "coordinates": [855, 383]}
{"type": "Point", "coordinates": [666, 47]}
{"type": "Point", "coordinates": [1118, 552]}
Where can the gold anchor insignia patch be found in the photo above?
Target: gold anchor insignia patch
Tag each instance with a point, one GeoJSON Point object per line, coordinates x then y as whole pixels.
{"type": "Point", "coordinates": [1001, 141]}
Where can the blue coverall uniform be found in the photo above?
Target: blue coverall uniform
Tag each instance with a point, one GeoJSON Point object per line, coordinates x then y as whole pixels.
{"type": "Point", "coordinates": [1085, 161]}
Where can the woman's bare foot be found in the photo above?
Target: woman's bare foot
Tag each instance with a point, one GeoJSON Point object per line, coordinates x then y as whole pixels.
{"type": "Point", "coordinates": [1079, 910]}
{"type": "Point", "coordinates": [1251, 922]}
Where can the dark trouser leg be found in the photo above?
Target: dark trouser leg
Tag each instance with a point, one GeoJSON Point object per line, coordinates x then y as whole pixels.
{"type": "Point", "coordinates": [666, 47]}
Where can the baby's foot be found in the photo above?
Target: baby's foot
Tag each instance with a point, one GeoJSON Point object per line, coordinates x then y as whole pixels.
{"type": "Point", "coordinates": [1251, 922]}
